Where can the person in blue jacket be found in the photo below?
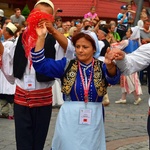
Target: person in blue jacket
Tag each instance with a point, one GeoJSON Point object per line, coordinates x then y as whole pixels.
{"type": "Point", "coordinates": [84, 83]}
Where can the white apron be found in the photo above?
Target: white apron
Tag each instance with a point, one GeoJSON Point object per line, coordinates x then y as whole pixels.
{"type": "Point", "coordinates": [70, 135]}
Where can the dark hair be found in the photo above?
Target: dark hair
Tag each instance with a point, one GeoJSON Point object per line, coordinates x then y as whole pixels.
{"type": "Point", "coordinates": [58, 18]}
{"type": "Point", "coordinates": [130, 30]}
{"type": "Point", "coordinates": [16, 9]}
{"type": "Point", "coordinates": [83, 35]}
{"type": "Point", "coordinates": [92, 7]}
{"type": "Point", "coordinates": [87, 27]}
{"type": "Point", "coordinates": [104, 28]}
{"type": "Point", "coordinates": [9, 31]}
{"type": "Point", "coordinates": [145, 21]}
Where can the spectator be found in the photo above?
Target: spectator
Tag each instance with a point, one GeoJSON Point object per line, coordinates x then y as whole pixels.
{"type": "Point", "coordinates": [79, 25]}
{"type": "Point", "coordinates": [145, 38]}
{"type": "Point", "coordinates": [2, 18]}
{"type": "Point", "coordinates": [66, 29]}
{"type": "Point", "coordinates": [122, 22]}
{"type": "Point", "coordinates": [145, 12]}
{"type": "Point", "coordinates": [130, 15]}
{"type": "Point", "coordinates": [72, 32]}
{"type": "Point", "coordinates": [7, 20]}
{"type": "Point", "coordinates": [55, 14]}
{"type": "Point", "coordinates": [73, 22]}
{"type": "Point", "coordinates": [112, 22]}
{"type": "Point", "coordinates": [68, 24]}
{"type": "Point", "coordinates": [61, 30]}
{"type": "Point", "coordinates": [112, 32]}
{"type": "Point", "coordinates": [58, 22]}
{"type": "Point", "coordinates": [140, 22]}
{"type": "Point", "coordinates": [145, 32]}
{"type": "Point", "coordinates": [102, 34]}
{"type": "Point", "coordinates": [92, 15]}
{"type": "Point", "coordinates": [86, 22]}
{"type": "Point", "coordinates": [17, 17]}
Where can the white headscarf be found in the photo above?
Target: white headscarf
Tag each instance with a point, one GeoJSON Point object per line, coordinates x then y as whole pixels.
{"type": "Point", "coordinates": [135, 34]}
{"type": "Point", "coordinates": [94, 37]}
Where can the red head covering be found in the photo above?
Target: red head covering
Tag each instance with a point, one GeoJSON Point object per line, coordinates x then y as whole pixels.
{"type": "Point", "coordinates": [29, 37]}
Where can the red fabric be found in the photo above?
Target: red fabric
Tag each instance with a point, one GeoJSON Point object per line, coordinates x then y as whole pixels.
{"type": "Point", "coordinates": [29, 35]}
{"type": "Point", "coordinates": [35, 98]}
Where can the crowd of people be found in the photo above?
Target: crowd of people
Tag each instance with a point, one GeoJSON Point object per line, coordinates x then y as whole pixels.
{"type": "Point", "coordinates": [46, 61]}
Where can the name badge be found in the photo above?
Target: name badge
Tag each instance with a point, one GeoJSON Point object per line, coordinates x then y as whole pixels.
{"type": "Point", "coordinates": [29, 82]}
{"type": "Point", "coordinates": [85, 116]}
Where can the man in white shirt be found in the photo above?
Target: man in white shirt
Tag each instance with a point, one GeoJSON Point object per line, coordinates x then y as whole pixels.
{"type": "Point", "coordinates": [33, 96]}
{"type": "Point", "coordinates": [133, 62]}
{"type": "Point", "coordinates": [7, 90]}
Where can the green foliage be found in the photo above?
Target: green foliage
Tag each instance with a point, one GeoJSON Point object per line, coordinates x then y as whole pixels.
{"type": "Point", "coordinates": [25, 11]}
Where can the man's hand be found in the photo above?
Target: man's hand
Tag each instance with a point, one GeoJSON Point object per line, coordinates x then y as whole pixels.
{"type": "Point", "coordinates": [113, 54]}
{"type": "Point", "coordinates": [118, 54]}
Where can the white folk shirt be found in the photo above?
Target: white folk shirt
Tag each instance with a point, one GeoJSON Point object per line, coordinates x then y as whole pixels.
{"type": "Point", "coordinates": [135, 61]}
{"type": "Point", "coordinates": [5, 86]}
{"type": "Point", "coordinates": [7, 68]}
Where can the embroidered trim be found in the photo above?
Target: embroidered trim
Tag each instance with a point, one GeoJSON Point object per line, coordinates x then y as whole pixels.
{"type": "Point", "coordinates": [100, 82]}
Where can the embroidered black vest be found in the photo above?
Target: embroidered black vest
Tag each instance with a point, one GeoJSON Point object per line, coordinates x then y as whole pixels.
{"type": "Point", "coordinates": [20, 60]}
{"type": "Point", "coordinates": [69, 77]}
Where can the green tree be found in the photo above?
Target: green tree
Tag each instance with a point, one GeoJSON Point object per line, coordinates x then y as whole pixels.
{"type": "Point", "coordinates": [25, 11]}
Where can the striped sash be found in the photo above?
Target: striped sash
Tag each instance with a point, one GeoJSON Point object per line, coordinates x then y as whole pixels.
{"type": "Point", "coordinates": [35, 98]}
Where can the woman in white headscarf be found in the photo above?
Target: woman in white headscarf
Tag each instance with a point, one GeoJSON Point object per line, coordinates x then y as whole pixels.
{"type": "Point", "coordinates": [130, 84]}
{"type": "Point", "coordinates": [84, 83]}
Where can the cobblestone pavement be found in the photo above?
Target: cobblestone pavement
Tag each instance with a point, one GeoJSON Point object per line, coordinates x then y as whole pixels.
{"type": "Point", "coordinates": [125, 124]}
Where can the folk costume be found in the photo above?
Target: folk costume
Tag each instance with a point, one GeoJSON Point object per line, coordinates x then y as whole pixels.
{"type": "Point", "coordinates": [80, 119]}
{"type": "Point", "coordinates": [131, 83]}
{"type": "Point", "coordinates": [134, 62]}
{"type": "Point", "coordinates": [7, 90]}
{"type": "Point", "coordinates": [33, 96]}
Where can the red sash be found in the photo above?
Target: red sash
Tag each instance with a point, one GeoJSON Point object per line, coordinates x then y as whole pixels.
{"type": "Point", "coordinates": [35, 98]}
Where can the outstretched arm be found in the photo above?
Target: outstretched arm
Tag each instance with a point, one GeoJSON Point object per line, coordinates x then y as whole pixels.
{"type": "Point", "coordinates": [62, 40]}
{"type": "Point", "coordinates": [130, 63]}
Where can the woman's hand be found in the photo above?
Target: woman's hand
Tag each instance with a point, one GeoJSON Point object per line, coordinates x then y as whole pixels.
{"type": "Point", "coordinates": [48, 24]}
{"type": "Point", "coordinates": [114, 54]}
{"type": "Point", "coordinates": [109, 56]}
{"type": "Point", "coordinates": [41, 30]}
